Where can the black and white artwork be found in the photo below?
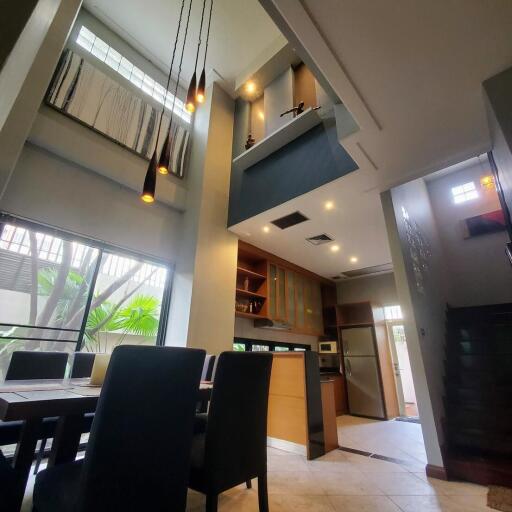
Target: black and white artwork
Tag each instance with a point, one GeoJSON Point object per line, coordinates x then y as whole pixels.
{"type": "Point", "coordinates": [83, 92]}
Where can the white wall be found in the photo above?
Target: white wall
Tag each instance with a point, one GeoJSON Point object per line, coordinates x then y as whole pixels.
{"type": "Point", "coordinates": [380, 289]}
{"type": "Point", "coordinates": [421, 290]}
{"type": "Point", "coordinates": [479, 269]}
{"type": "Point", "coordinates": [46, 188]}
{"type": "Point", "coordinates": [203, 300]}
{"type": "Point", "coordinates": [277, 98]}
{"type": "Point", "coordinates": [26, 75]}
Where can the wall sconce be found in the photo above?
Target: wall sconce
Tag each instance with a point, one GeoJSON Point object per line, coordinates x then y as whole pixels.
{"type": "Point", "coordinates": [487, 182]}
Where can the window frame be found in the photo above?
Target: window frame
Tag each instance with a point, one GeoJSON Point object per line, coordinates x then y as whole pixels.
{"type": "Point", "coordinates": [249, 342]}
{"type": "Point", "coordinates": [102, 248]}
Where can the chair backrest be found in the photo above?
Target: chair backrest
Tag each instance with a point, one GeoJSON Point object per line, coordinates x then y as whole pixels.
{"type": "Point", "coordinates": [208, 365]}
{"type": "Point", "coordinates": [31, 365]}
{"type": "Point", "coordinates": [82, 365]}
{"type": "Point", "coordinates": [138, 453]}
{"type": "Point", "coordinates": [236, 434]}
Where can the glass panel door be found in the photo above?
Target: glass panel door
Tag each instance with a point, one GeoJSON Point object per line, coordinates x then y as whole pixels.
{"type": "Point", "coordinates": [290, 297]}
{"type": "Point", "coordinates": [281, 296]}
{"type": "Point", "coordinates": [272, 275]}
{"type": "Point", "coordinates": [299, 297]}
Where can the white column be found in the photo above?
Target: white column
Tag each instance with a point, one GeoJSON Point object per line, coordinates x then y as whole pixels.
{"type": "Point", "coordinates": [203, 299]}
{"type": "Point", "coordinates": [27, 71]}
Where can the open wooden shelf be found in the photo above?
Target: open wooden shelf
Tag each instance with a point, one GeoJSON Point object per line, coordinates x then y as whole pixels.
{"type": "Point", "coordinates": [250, 273]}
{"type": "Point", "coordinates": [248, 293]}
{"type": "Point", "coordinates": [248, 315]}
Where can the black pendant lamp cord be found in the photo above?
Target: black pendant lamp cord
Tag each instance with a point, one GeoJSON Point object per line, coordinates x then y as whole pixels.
{"type": "Point", "coordinates": [179, 68]}
{"type": "Point", "coordinates": [208, 34]}
{"type": "Point", "coordinates": [200, 31]}
{"type": "Point", "coordinates": [169, 75]}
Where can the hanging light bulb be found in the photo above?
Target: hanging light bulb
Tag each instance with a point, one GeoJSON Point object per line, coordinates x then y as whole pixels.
{"type": "Point", "coordinates": [148, 191]}
{"type": "Point", "coordinates": [165, 155]}
{"type": "Point", "coordinates": [201, 88]}
{"type": "Point", "coordinates": [200, 94]}
{"type": "Point", "coordinates": [190, 104]}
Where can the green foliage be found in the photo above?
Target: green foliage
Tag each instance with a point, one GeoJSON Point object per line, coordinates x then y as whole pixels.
{"type": "Point", "coordinates": [46, 278]}
{"type": "Point", "coordinates": [140, 316]}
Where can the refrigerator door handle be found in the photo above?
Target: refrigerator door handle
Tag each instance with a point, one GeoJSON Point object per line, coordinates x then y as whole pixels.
{"type": "Point", "coordinates": [349, 368]}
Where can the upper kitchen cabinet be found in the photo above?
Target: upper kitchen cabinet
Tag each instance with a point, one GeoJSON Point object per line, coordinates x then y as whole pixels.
{"type": "Point", "coordinates": [278, 294]}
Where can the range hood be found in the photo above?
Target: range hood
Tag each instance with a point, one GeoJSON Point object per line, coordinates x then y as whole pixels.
{"type": "Point", "coordinates": [266, 323]}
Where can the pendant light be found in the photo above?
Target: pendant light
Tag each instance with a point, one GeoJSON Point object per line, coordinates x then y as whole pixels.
{"type": "Point", "coordinates": [201, 87]}
{"type": "Point", "coordinates": [148, 191]}
{"type": "Point", "coordinates": [191, 93]}
{"type": "Point", "coordinates": [165, 156]}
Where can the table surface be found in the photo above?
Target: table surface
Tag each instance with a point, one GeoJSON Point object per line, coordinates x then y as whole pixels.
{"type": "Point", "coordinates": [22, 400]}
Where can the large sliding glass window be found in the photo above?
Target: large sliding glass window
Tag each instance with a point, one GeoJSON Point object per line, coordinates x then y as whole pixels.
{"type": "Point", "coordinates": [66, 294]}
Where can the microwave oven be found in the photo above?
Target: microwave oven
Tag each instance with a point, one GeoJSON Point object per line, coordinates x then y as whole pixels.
{"type": "Point", "coordinates": [327, 347]}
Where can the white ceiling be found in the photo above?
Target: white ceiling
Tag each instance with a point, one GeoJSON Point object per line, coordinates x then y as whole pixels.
{"type": "Point", "coordinates": [356, 223]}
{"type": "Point", "coordinates": [240, 30]}
{"type": "Point", "coordinates": [410, 72]}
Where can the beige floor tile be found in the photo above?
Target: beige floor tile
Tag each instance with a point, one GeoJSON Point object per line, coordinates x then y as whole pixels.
{"type": "Point", "coordinates": [363, 504]}
{"type": "Point", "coordinates": [288, 462]}
{"type": "Point", "coordinates": [372, 465]}
{"type": "Point", "coordinates": [472, 502]}
{"type": "Point", "coordinates": [404, 484]}
{"type": "Point", "coordinates": [287, 503]}
{"type": "Point", "coordinates": [298, 483]}
{"type": "Point", "coordinates": [439, 503]}
{"type": "Point", "coordinates": [453, 488]}
{"type": "Point", "coordinates": [345, 484]}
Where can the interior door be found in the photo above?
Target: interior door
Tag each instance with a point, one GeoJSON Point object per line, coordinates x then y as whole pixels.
{"type": "Point", "coordinates": [358, 341]}
{"type": "Point", "coordinates": [363, 386]}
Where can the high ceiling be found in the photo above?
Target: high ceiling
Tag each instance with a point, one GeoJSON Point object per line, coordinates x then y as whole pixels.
{"type": "Point", "coordinates": [355, 222]}
{"type": "Point", "coordinates": [410, 72]}
{"type": "Point", "coordinates": [240, 31]}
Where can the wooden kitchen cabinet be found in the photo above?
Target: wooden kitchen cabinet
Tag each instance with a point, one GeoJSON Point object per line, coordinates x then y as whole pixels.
{"type": "Point", "coordinates": [340, 394]}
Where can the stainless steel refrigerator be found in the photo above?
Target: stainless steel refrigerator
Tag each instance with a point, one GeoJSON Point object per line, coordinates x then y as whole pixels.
{"type": "Point", "coordinates": [362, 372]}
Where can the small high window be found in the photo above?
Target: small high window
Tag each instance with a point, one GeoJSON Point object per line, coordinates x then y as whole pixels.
{"type": "Point", "coordinates": [393, 313]}
{"type": "Point", "coordinates": [465, 192]}
{"type": "Point", "coordinates": [93, 44]}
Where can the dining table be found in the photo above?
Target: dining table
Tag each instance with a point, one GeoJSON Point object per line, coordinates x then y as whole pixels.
{"type": "Point", "coordinates": [67, 399]}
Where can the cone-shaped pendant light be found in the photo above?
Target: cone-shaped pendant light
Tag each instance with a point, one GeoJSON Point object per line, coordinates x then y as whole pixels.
{"type": "Point", "coordinates": [201, 86]}
{"type": "Point", "coordinates": [190, 105]}
{"type": "Point", "coordinates": [148, 191]}
{"type": "Point", "coordinates": [165, 155]}
{"type": "Point", "coordinates": [200, 94]}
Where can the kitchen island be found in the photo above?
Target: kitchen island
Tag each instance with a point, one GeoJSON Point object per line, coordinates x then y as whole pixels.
{"type": "Point", "coordinates": [301, 411]}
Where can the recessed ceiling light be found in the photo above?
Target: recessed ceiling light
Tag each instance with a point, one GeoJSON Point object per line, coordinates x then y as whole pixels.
{"type": "Point", "coordinates": [329, 205]}
{"type": "Point", "coordinates": [250, 87]}
{"type": "Point", "coordinates": [266, 229]}
{"type": "Point", "coordinates": [353, 259]}
{"type": "Point", "coordinates": [261, 115]}
{"type": "Point", "coordinates": [335, 248]}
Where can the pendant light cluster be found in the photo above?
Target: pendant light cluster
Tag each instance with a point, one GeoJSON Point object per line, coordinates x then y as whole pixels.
{"type": "Point", "coordinates": [195, 95]}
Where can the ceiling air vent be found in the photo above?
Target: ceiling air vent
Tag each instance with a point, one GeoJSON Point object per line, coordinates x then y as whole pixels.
{"type": "Point", "coordinates": [377, 269]}
{"type": "Point", "coordinates": [289, 220]}
{"type": "Point", "coordinates": [319, 239]}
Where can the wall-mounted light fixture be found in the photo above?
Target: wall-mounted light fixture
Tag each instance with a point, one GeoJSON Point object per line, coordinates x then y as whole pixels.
{"type": "Point", "coordinates": [487, 182]}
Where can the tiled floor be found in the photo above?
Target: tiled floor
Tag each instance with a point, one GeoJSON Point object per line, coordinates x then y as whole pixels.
{"type": "Point", "coordinates": [396, 439]}
{"type": "Point", "coordinates": [346, 482]}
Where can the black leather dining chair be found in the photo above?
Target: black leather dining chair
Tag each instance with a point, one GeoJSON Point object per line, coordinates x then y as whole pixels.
{"type": "Point", "coordinates": [232, 447]}
{"type": "Point", "coordinates": [209, 363]}
{"type": "Point", "coordinates": [27, 365]}
{"type": "Point", "coordinates": [138, 453]}
{"type": "Point", "coordinates": [31, 365]}
{"type": "Point", "coordinates": [82, 365]}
